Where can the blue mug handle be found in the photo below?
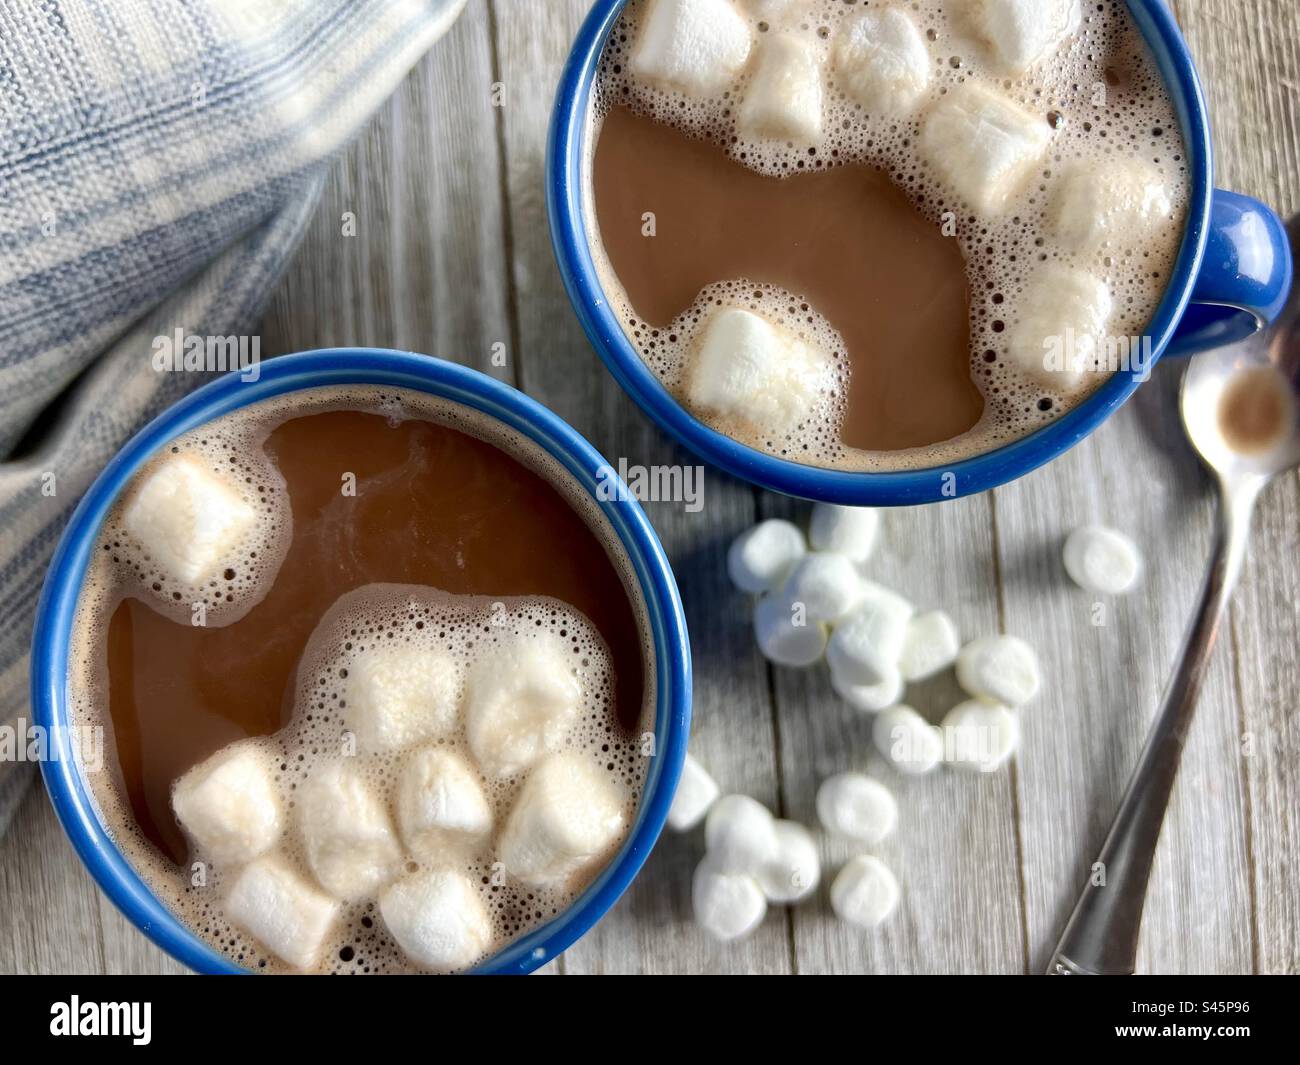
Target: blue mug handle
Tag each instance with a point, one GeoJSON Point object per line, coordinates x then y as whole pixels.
{"type": "Point", "coordinates": [1245, 276]}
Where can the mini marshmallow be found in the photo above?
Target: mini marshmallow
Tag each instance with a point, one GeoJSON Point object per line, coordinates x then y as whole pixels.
{"type": "Point", "coordinates": [883, 62]}
{"type": "Point", "coordinates": [440, 804]}
{"type": "Point", "coordinates": [1060, 336]}
{"type": "Point", "coordinates": [1113, 203]}
{"type": "Point", "coordinates": [281, 910]}
{"type": "Point", "coordinates": [1022, 33]}
{"type": "Point", "coordinates": [229, 804]}
{"type": "Point", "coordinates": [870, 698]}
{"type": "Point", "coordinates": [857, 808]}
{"type": "Point", "coordinates": [346, 831]}
{"type": "Point", "coordinates": [847, 531]}
{"type": "Point", "coordinates": [188, 518]}
{"type": "Point", "coordinates": [698, 46]}
{"type": "Point", "coordinates": [908, 742]}
{"type": "Point", "coordinates": [929, 647]}
{"type": "Point", "coordinates": [865, 893]}
{"type": "Point", "coordinates": [784, 97]}
{"type": "Point", "coordinates": [828, 586]}
{"type": "Point", "coordinates": [399, 694]}
{"type": "Point", "coordinates": [740, 835]}
{"type": "Point", "coordinates": [696, 792]}
{"type": "Point", "coordinates": [567, 817]}
{"type": "Point", "coordinates": [980, 736]}
{"type": "Point", "coordinates": [727, 905]}
{"type": "Point", "coordinates": [1102, 560]}
{"type": "Point", "coordinates": [865, 648]}
{"type": "Point", "coordinates": [1001, 669]}
{"type": "Point", "coordinates": [760, 559]}
{"type": "Point", "coordinates": [522, 699]}
{"type": "Point", "coordinates": [438, 919]}
{"type": "Point", "coordinates": [781, 640]}
{"type": "Point", "coordinates": [984, 145]}
{"type": "Point", "coordinates": [749, 369]}
{"type": "Point", "coordinates": [795, 871]}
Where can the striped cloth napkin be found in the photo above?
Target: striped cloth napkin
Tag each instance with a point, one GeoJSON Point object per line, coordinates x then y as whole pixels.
{"type": "Point", "coordinates": [159, 160]}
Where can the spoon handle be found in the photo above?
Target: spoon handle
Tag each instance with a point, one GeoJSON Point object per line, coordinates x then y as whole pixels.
{"type": "Point", "coordinates": [1102, 935]}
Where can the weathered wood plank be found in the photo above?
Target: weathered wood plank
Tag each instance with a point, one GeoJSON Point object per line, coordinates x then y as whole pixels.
{"type": "Point", "coordinates": [955, 848]}
{"type": "Point", "coordinates": [1105, 669]}
{"type": "Point", "coordinates": [50, 922]}
{"type": "Point", "coordinates": [1250, 54]}
{"type": "Point", "coordinates": [650, 930]}
{"type": "Point", "coordinates": [422, 185]}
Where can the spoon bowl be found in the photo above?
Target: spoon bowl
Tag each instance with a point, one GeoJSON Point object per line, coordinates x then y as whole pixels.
{"type": "Point", "coordinates": [1241, 403]}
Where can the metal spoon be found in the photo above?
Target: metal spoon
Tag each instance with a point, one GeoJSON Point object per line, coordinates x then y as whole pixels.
{"type": "Point", "coordinates": [1241, 411]}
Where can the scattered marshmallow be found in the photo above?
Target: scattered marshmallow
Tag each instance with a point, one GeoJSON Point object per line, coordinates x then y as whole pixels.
{"type": "Point", "coordinates": [522, 698]}
{"type": "Point", "coordinates": [440, 804]}
{"type": "Point", "coordinates": [870, 698]}
{"type": "Point", "coordinates": [401, 693]}
{"type": "Point", "coordinates": [1022, 33]}
{"type": "Point", "coordinates": [1061, 334]}
{"type": "Point", "coordinates": [827, 585]}
{"type": "Point", "coordinates": [698, 46]}
{"type": "Point", "coordinates": [568, 815]}
{"type": "Point", "coordinates": [229, 804]}
{"type": "Point", "coordinates": [865, 648]}
{"type": "Point", "coordinates": [438, 919]}
{"type": "Point", "coordinates": [188, 518]}
{"type": "Point", "coordinates": [883, 62]}
{"type": "Point", "coordinates": [795, 871]}
{"type": "Point", "coordinates": [984, 145]}
{"type": "Point", "coordinates": [865, 893]}
{"type": "Point", "coordinates": [346, 832]}
{"type": "Point", "coordinates": [761, 558]}
{"type": "Point", "coordinates": [1116, 202]}
{"type": "Point", "coordinates": [908, 742]}
{"type": "Point", "coordinates": [847, 531]}
{"type": "Point", "coordinates": [980, 735]}
{"type": "Point", "coordinates": [857, 808]}
{"type": "Point", "coordinates": [281, 910]}
{"type": "Point", "coordinates": [727, 905]}
{"type": "Point", "coordinates": [784, 97]}
{"type": "Point", "coordinates": [1000, 669]}
{"type": "Point", "coordinates": [929, 646]}
{"type": "Point", "coordinates": [1102, 560]}
{"type": "Point", "coordinates": [696, 792]}
{"type": "Point", "coordinates": [740, 835]}
{"type": "Point", "coordinates": [781, 639]}
{"type": "Point", "coordinates": [750, 369]}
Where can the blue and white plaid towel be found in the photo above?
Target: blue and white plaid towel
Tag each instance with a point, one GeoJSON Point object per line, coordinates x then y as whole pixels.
{"type": "Point", "coordinates": [159, 160]}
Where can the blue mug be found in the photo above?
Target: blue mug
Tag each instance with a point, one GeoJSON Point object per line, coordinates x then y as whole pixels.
{"type": "Point", "coordinates": [1232, 277]}
{"type": "Point", "coordinates": [69, 791]}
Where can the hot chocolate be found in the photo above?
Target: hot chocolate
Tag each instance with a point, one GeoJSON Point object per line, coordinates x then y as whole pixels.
{"type": "Point", "coordinates": [883, 236]}
{"type": "Point", "coordinates": [374, 677]}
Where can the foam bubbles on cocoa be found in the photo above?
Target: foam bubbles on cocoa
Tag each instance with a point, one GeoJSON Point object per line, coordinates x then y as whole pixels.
{"type": "Point", "coordinates": [1102, 95]}
{"type": "Point", "coordinates": [235, 458]}
{"type": "Point", "coordinates": [466, 627]}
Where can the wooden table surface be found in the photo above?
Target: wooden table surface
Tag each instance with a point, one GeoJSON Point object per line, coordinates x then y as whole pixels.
{"type": "Point", "coordinates": [452, 257]}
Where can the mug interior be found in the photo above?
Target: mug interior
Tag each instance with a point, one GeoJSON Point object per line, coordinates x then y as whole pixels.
{"type": "Point", "coordinates": [567, 181]}
{"type": "Point", "coordinates": [71, 794]}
